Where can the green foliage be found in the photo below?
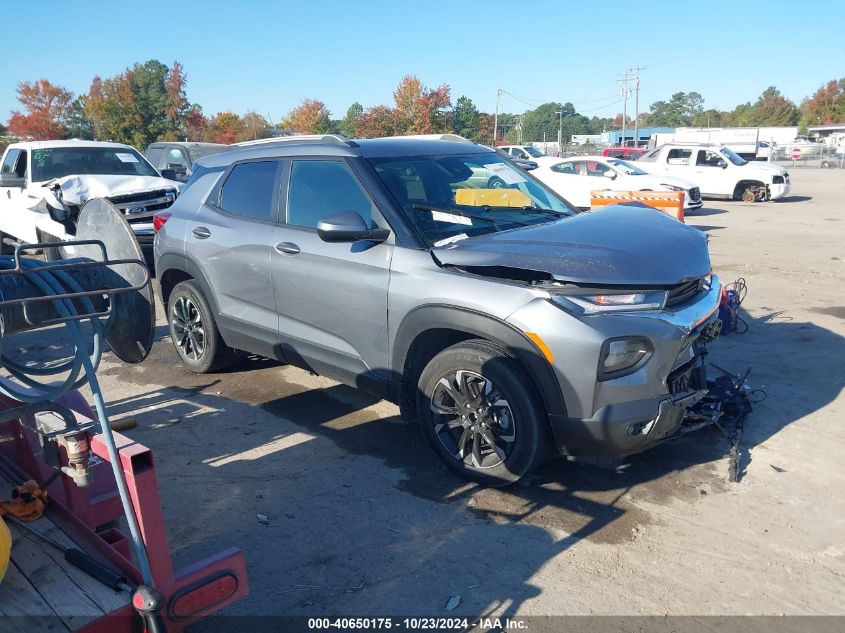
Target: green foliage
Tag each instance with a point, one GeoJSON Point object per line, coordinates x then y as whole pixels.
{"type": "Point", "coordinates": [465, 119]}
{"type": "Point", "coordinates": [348, 126]}
{"type": "Point", "coordinates": [681, 110]}
{"type": "Point", "coordinates": [545, 120]}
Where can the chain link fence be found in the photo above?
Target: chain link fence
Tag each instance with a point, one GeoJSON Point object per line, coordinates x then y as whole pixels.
{"type": "Point", "coordinates": [818, 156]}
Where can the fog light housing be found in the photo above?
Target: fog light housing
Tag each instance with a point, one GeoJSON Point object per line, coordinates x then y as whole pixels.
{"type": "Point", "coordinates": [622, 356]}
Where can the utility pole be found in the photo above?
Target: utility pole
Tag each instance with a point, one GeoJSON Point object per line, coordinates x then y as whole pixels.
{"type": "Point", "coordinates": [560, 134]}
{"type": "Point", "coordinates": [636, 72]}
{"type": "Point", "coordinates": [624, 81]}
{"type": "Point", "coordinates": [496, 119]}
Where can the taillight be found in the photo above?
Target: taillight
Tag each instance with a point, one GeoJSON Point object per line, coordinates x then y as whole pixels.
{"type": "Point", "coordinates": [159, 219]}
{"type": "Point", "coordinates": [202, 596]}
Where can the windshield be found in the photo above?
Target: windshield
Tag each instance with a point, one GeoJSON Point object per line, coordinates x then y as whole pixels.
{"type": "Point", "coordinates": [456, 196]}
{"type": "Point", "coordinates": [533, 152]}
{"type": "Point", "coordinates": [626, 168]}
{"type": "Point", "coordinates": [731, 156]}
{"type": "Point", "coordinates": [198, 151]}
{"type": "Point", "coordinates": [58, 162]}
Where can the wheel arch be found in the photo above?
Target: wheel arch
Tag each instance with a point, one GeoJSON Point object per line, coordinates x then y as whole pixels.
{"type": "Point", "coordinates": [739, 189]}
{"type": "Point", "coordinates": [427, 330]}
{"type": "Point", "coordinates": [173, 269]}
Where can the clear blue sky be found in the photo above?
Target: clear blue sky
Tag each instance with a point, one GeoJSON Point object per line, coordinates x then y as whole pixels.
{"type": "Point", "coordinates": [268, 56]}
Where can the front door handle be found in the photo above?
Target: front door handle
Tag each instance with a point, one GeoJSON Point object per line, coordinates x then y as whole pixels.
{"type": "Point", "coordinates": [201, 233]}
{"type": "Point", "coordinates": [287, 248]}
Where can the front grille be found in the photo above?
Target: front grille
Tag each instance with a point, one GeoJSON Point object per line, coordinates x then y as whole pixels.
{"type": "Point", "coordinates": [694, 194]}
{"type": "Point", "coordinates": [683, 292]}
{"type": "Point", "coordinates": [685, 378]}
{"type": "Point", "coordinates": [142, 206]}
{"type": "Point", "coordinates": [141, 197]}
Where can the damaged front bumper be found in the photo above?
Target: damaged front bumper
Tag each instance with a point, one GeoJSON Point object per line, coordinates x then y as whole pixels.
{"type": "Point", "coordinates": [609, 419]}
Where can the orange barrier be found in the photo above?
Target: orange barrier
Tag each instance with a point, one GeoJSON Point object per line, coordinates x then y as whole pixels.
{"type": "Point", "coordinates": [669, 202]}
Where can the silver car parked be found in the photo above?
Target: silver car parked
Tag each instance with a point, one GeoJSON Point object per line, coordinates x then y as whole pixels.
{"type": "Point", "coordinates": [500, 319]}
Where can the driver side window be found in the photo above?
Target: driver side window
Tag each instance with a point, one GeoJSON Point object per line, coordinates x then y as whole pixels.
{"type": "Point", "coordinates": [319, 188]}
{"type": "Point", "coordinates": [708, 159]}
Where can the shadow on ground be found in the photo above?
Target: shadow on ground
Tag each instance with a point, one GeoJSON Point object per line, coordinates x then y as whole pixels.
{"type": "Point", "coordinates": [345, 535]}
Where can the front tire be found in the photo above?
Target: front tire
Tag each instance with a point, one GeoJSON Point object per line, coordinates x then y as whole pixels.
{"type": "Point", "coordinates": [478, 410]}
{"type": "Point", "coordinates": [194, 332]}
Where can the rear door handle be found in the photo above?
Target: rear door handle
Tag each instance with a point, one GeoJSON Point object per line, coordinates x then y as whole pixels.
{"type": "Point", "coordinates": [201, 233]}
{"type": "Point", "coordinates": [287, 248]}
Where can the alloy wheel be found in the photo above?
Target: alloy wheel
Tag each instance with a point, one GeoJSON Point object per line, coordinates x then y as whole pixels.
{"type": "Point", "coordinates": [473, 419]}
{"type": "Point", "coordinates": [188, 328]}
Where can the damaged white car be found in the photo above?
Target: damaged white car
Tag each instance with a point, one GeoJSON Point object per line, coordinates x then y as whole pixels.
{"type": "Point", "coordinates": [43, 184]}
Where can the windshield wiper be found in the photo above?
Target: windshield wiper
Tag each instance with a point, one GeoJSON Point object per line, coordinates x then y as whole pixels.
{"type": "Point", "coordinates": [526, 210]}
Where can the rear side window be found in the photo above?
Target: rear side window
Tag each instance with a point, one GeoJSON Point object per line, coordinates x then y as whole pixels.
{"type": "Point", "coordinates": [319, 188]}
{"type": "Point", "coordinates": [679, 156]}
{"type": "Point", "coordinates": [248, 190]}
{"type": "Point", "coordinates": [153, 154]}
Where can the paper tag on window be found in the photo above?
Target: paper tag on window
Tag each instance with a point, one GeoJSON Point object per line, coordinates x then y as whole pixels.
{"type": "Point", "coordinates": [439, 216]}
{"type": "Point", "coordinates": [124, 157]}
{"type": "Point", "coordinates": [505, 173]}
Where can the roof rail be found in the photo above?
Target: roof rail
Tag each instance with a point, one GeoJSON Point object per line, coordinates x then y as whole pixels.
{"type": "Point", "coordinates": [455, 138]}
{"type": "Point", "coordinates": [337, 139]}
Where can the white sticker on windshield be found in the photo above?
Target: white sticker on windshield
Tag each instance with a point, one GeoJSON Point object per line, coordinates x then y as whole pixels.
{"type": "Point", "coordinates": [505, 173]}
{"type": "Point", "coordinates": [451, 240]}
{"type": "Point", "coordinates": [124, 157]}
{"type": "Point", "coordinates": [439, 216]}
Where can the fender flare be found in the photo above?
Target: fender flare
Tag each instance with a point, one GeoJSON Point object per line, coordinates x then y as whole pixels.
{"type": "Point", "coordinates": [480, 325]}
{"type": "Point", "coordinates": [176, 261]}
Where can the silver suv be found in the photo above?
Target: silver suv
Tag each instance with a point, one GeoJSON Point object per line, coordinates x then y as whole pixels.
{"type": "Point", "coordinates": [500, 319]}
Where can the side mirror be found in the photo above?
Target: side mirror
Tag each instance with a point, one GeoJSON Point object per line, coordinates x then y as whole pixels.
{"type": "Point", "coordinates": [12, 180]}
{"type": "Point", "coordinates": [348, 226]}
{"type": "Point", "coordinates": [610, 174]}
{"type": "Point", "coordinates": [170, 174]}
{"type": "Point", "coordinates": [722, 164]}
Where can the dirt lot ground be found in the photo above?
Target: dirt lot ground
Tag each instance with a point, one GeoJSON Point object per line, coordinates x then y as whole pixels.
{"type": "Point", "coordinates": [364, 521]}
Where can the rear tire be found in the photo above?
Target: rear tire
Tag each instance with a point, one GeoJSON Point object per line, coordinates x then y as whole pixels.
{"type": "Point", "coordinates": [480, 413]}
{"type": "Point", "coordinates": [194, 332]}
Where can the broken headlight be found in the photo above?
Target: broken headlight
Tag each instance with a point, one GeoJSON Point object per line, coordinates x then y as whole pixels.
{"type": "Point", "coordinates": [620, 357]}
{"type": "Point", "coordinates": [611, 302]}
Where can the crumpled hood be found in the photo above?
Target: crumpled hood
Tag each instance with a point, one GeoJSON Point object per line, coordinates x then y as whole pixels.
{"type": "Point", "coordinates": [617, 245]}
{"type": "Point", "coordinates": [79, 189]}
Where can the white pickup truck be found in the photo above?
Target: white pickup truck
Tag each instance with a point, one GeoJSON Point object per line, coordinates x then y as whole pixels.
{"type": "Point", "coordinates": [718, 171]}
{"type": "Point", "coordinates": [43, 184]}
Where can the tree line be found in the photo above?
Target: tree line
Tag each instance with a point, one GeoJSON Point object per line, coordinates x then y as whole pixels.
{"type": "Point", "coordinates": [148, 102]}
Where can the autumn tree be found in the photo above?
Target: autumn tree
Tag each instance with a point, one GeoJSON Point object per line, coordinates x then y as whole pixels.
{"type": "Point", "coordinates": [825, 107]}
{"type": "Point", "coordinates": [309, 117]}
{"type": "Point", "coordinates": [420, 110]}
{"type": "Point", "coordinates": [197, 126]}
{"type": "Point", "coordinates": [349, 124]}
{"type": "Point", "coordinates": [376, 122]}
{"type": "Point", "coordinates": [226, 127]}
{"type": "Point", "coordinates": [48, 109]}
{"type": "Point", "coordinates": [141, 105]}
{"type": "Point", "coordinates": [485, 129]}
{"type": "Point", "coordinates": [254, 126]}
